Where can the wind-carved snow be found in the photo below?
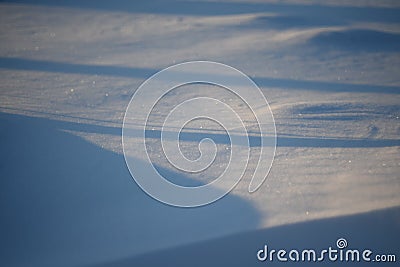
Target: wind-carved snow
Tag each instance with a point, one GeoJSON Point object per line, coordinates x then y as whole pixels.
{"type": "Point", "coordinates": [330, 72]}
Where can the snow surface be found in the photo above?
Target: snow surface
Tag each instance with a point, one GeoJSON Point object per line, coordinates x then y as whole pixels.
{"type": "Point", "coordinates": [330, 71]}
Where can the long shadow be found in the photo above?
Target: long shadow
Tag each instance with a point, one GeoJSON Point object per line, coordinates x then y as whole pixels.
{"type": "Point", "coordinates": [322, 86]}
{"type": "Point", "coordinates": [67, 202]}
{"type": "Point", "coordinates": [378, 231]}
{"type": "Point", "coordinates": [223, 138]}
{"type": "Point", "coordinates": [284, 141]}
{"type": "Point", "coordinates": [143, 73]}
{"type": "Point", "coordinates": [335, 142]}
{"type": "Point", "coordinates": [346, 14]}
{"type": "Point", "coordinates": [72, 68]}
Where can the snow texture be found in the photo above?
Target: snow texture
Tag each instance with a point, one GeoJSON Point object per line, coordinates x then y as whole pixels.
{"type": "Point", "coordinates": [329, 69]}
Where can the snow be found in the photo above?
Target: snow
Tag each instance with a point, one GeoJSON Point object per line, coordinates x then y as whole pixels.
{"type": "Point", "coordinates": [68, 70]}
